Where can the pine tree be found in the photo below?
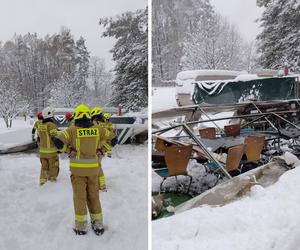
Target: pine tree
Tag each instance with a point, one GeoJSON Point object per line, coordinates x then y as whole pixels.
{"type": "Point", "coordinates": [130, 52]}
{"type": "Point", "coordinates": [82, 61]}
{"type": "Point", "coordinates": [279, 41]}
{"type": "Point", "coordinates": [66, 52]}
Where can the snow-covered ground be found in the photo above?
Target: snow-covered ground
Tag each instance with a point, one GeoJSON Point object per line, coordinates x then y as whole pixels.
{"type": "Point", "coordinates": [202, 180]}
{"type": "Point", "coordinates": [19, 134]}
{"type": "Point", "coordinates": [220, 123]}
{"type": "Point", "coordinates": [18, 123]}
{"type": "Point", "coordinates": [163, 98]}
{"type": "Point", "coordinates": [267, 219]}
{"type": "Point", "coordinates": [34, 217]}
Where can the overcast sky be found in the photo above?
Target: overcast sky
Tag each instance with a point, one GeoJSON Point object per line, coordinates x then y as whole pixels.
{"type": "Point", "coordinates": [241, 12]}
{"type": "Point", "coordinates": [82, 16]}
{"type": "Point", "coordinates": [47, 16]}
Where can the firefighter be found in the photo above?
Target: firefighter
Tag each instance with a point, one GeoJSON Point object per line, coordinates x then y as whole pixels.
{"type": "Point", "coordinates": [108, 125]}
{"type": "Point", "coordinates": [48, 153]}
{"type": "Point", "coordinates": [35, 126]}
{"type": "Point", "coordinates": [97, 118]}
{"type": "Point", "coordinates": [84, 140]}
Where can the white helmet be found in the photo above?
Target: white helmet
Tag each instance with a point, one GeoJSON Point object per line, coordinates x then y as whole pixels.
{"type": "Point", "coordinates": [48, 112]}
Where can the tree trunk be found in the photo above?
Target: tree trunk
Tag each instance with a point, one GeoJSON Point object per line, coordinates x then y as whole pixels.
{"type": "Point", "coordinates": [6, 122]}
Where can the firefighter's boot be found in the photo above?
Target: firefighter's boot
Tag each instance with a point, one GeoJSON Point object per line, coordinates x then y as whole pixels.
{"type": "Point", "coordinates": [80, 226]}
{"type": "Point", "coordinates": [97, 227]}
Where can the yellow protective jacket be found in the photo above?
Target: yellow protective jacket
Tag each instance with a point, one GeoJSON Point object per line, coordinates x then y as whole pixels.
{"type": "Point", "coordinates": [109, 128]}
{"type": "Point", "coordinates": [85, 141]}
{"type": "Point", "coordinates": [35, 126]}
{"type": "Point", "coordinates": [46, 131]}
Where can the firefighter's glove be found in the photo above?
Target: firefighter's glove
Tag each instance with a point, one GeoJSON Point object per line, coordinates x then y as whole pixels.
{"type": "Point", "coordinates": [72, 153]}
{"type": "Point", "coordinates": [100, 152]}
{"type": "Point", "coordinates": [114, 141]}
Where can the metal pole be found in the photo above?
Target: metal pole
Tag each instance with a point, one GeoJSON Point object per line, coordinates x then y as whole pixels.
{"type": "Point", "coordinates": [280, 117]}
{"type": "Point", "coordinates": [221, 130]}
{"type": "Point", "coordinates": [223, 118]}
{"type": "Point", "coordinates": [255, 120]}
{"type": "Point", "coordinates": [272, 125]}
{"type": "Point", "coordinates": [201, 145]}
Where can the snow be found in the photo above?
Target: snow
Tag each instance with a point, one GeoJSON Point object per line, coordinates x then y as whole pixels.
{"type": "Point", "coordinates": [247, 77]}
{"type": "Point", "coordinates": [163, 98]}
{"type": "Point", "coordinates": [185, 79]}
{"type": "Point", "coordinates": [192, 74]}
{"type": "Point", "coordinates": [18, 123]}
{"type": "Point", "coordinates": [266, 219]}
{"type": "Point", "coordinates": [19, 134]}
{"type": "Point", "coordinates": [220, 123]}
{"type": "Point", "coordinates": [34, 217]}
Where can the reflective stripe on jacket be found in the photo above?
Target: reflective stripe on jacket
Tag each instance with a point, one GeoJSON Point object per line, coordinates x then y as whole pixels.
{"type": "Point", "coordinates": [85, 141]}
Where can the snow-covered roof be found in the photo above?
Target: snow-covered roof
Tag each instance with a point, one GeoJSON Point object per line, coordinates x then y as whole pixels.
{"type": "Point", "coordinates": [246, 77]}
{"type": "Point", "coordinates": [192, 74]}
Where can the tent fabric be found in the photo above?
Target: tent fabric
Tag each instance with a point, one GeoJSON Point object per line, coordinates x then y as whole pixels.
{"type": "Point", "coordinates": [233, 92]}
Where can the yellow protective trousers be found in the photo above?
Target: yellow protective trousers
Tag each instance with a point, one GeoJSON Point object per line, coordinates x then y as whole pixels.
{"type": "Point", "coordinates": [102, 180]}
{"type": "Point", "coordinates": [86, 195]}
{"type": "Point", "coordinates": [49, 169]}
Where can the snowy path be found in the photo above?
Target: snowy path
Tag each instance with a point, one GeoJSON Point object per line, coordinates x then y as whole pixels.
{"type": "Point", "coordinates": [268, 219]}
{"type": "Point", "coordinates": [34, 217]}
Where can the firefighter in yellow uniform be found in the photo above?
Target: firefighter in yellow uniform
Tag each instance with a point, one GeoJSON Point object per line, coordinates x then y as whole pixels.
{"type": "Point", "coordinates": [108, 125]}
{"type": "Point", "coordinates": [84, 139]}
{"type": "Point", "coordinates": [97, 118]}
{"type": "Point", "coordinates": [48, 152]}
{"type": "Point", "coordinates": [35, 126]}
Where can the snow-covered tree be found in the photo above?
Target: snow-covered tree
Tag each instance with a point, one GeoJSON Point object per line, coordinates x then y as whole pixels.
{"type": "Point", "coordinates": [34, 64]}
{"type": "Point", "coordinates": [11, 102]}
{"type": "Point", "coordinates": [100, 82]}
{"type": "Point", "coordinates": [130, 52]}
{"type": "Point", "coordinates": [279, 41]}
{"type": "Point", "coordinates": [67, 51]}
{"type": "Point", "coordinates": [171, 21]}
{"type": "Point", "coordinates": [82, 61]}
{"type": "Point", "coordinates": [67, 93]}
{"type": "Point", "coordinates": [214, 44]}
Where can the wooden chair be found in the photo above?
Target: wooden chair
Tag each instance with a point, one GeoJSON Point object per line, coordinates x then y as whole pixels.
{"type": "Point", "coordinates": [162, 143]}
{"type": "Point", "coordinates": [254, 147]}
{"type": "Point", "coordinates": [208, 133]}
{"type": "Point", "coordinates": [234, 158]}
{"type": "Point", "coordinates": [232, 130]}
{"type": "Point", "coordinates": [176, 158]}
